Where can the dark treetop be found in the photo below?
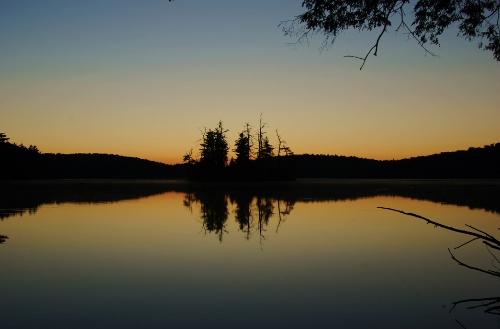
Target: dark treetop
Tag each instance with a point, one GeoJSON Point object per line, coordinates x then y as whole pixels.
{"type": "Point", "coordinates": [423, 20]}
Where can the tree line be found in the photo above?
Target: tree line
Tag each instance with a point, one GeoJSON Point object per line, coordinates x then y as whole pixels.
{"type": "Point", "coordinates": [253, 157]}
{"type": "Point", "coordinates": [10, 148]}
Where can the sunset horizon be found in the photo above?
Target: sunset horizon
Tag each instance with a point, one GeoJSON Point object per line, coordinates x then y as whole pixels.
{"type": "Point", "coordinates": [249, 164]}
{"type": "Point", "coordinates": [177, 158]}
{"type": "Point", "coordinates": [143, 80]}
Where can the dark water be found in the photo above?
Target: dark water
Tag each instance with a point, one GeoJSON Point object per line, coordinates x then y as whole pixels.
{"type": "Point", "coordinates": [308, 254]}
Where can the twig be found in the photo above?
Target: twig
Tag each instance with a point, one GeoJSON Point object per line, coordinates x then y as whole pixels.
{"type": "Point", "coordinates": [492, 254]}
{"type": "Point", "coordinates": [478, 230]}
{"type": "Point", "coordinates": [411, 32]}
{"type": "Point", "coordinates": [373, 48]}
{"type": "Point", "coordinates": [470, 300]}
{"type": "Point", "coordinates": [466, 243]}
{"type": "Point", "coordinates": [459, 262]}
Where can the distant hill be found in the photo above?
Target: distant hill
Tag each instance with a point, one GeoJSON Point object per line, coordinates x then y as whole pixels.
{"type": "Point", "coordinates": [20, 162]}
{"type": "Point", "coordinates": [105, 166]}
{"type": "Point", "coordinates": [482, 162]}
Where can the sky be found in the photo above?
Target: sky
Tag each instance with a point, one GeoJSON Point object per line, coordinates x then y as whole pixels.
{"type": "Point", "coordinates": [143, 78]}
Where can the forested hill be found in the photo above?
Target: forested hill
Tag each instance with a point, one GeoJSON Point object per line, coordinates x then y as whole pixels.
{"type": "Point", "coordinates": [105, 166]}
{"type": "Point", "coordinates": [483, 162]}
{"type": "Point", "coordinates": [19, 162]}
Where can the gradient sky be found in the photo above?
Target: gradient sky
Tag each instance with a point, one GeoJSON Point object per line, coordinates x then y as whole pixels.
{"type": "Point", "coordinates": [141, 78]}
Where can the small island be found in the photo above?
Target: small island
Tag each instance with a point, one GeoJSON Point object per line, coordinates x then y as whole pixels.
{"type": "Point", "coordinates": [255, 157]}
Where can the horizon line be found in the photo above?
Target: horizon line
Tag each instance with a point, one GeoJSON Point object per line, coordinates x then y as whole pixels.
{"type": "Point", "coordinates": [296, 154]}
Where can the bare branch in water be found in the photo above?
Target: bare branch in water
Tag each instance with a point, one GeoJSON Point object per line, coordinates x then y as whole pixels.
{"type": "Point", "coordinates": [459, 262]}
{"type": "Point", "coordinates": [477, 303]}
{"type": "Point", "coordinates": [487, 238]}
{"type": "Point", "coordinates": [490, 305]}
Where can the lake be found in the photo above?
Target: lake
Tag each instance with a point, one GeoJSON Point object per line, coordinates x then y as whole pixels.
{"type": "Point", "coordinates": [305, 254]}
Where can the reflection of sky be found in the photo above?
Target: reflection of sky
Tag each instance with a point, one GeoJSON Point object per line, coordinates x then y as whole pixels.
{"type": "Point", "coordinates": [149, 261]}
{"type": "Point", "coordinates": [142, 78]}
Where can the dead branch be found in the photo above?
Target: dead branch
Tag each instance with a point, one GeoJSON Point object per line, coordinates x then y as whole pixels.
{"type": "Point", "coordinates": [375, 46]}
{"type": "Point", "coordinates": [489, 305]}
{"type": "Point", "coordinates": [482, 302]}
{"type": "Point", "coordinates": [488, 239]}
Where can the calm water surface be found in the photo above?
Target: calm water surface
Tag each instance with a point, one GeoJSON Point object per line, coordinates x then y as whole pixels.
{"type": "Point", "coordinates": [315, 256]}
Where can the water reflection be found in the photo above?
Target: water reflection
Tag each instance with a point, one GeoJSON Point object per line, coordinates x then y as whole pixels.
{"type": "Point", "coordinates": [255, 203]}
{"type": "Point", "coordinates": [214, 211]}
{"type": "Point", "coordinates": [17, 198]}
{"type": "Point", "coordinates": [252, 213]}
{"type": "Point", "coordinates": [325, 253]}
{"type": "Point", "coordinates": [26, 197]}
{"type": "Point", "coordinates": [10, 212]}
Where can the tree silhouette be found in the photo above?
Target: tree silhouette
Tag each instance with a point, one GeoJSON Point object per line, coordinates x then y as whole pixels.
{"type": "Point", "coordinates": [265, 149]}
{"type": "Point", "coordinates": [214, 147]}
{"type": "Point", "coordinates": [476, 20]}
{"type": "Point", "coordinates": [260, 164]}
{"type": "Point", "coordinates": [33, 149]}
{"type": "Point", "coordinates": [188, 158]}
{"type": "Point", "coordinates": [282, 146]}
{"type": "Point", "coordinates": [3, 138]}
{"type": "Point", "coordinates": [243, 145]}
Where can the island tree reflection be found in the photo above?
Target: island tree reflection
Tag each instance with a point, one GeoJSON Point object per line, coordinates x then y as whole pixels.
{"type": "Point", "coordinates": [253, 213]}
